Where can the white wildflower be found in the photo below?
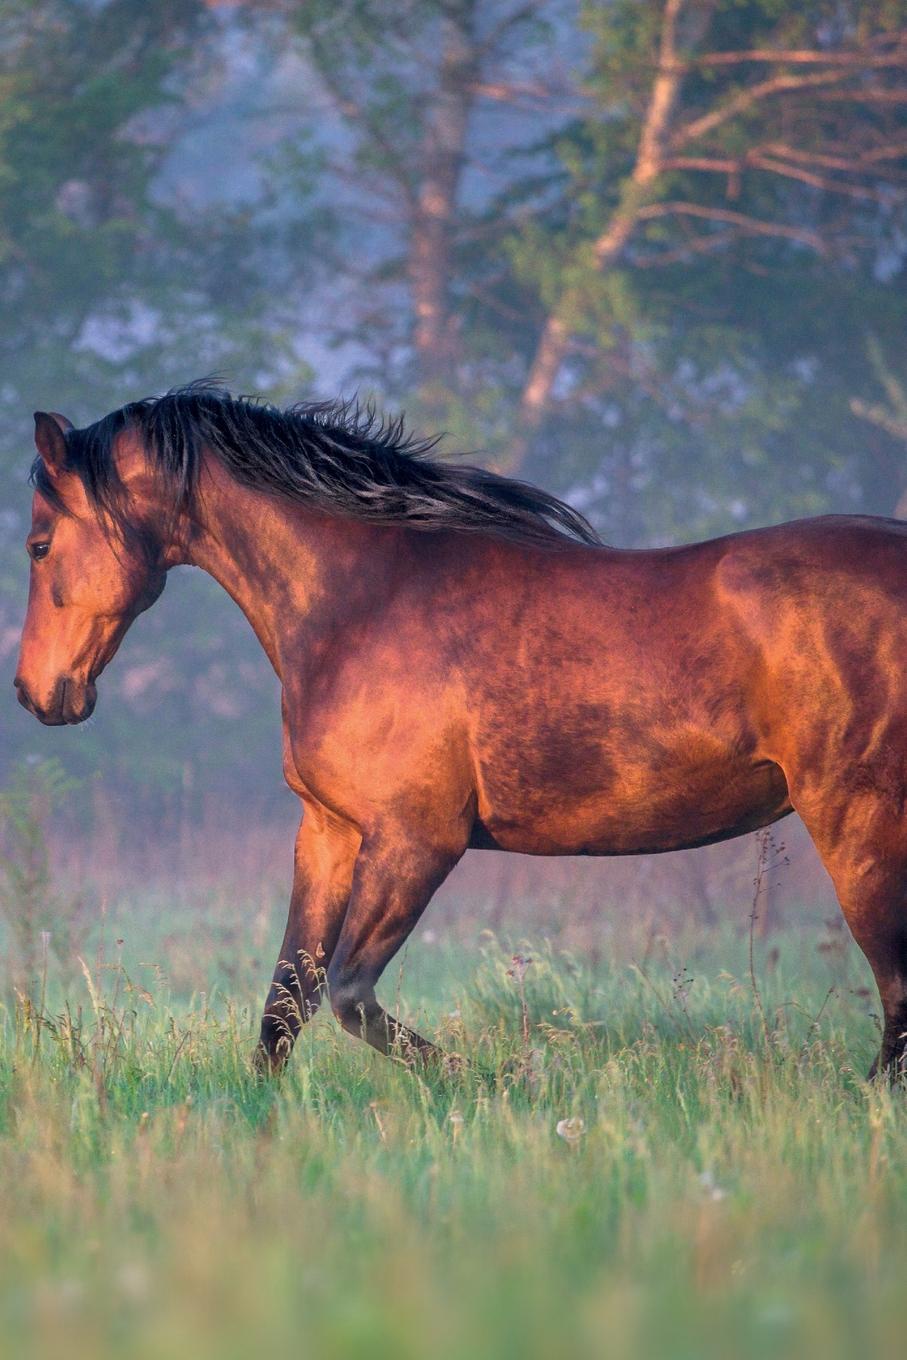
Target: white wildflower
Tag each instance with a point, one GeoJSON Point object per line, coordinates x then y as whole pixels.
{"type": "Point", "coordinates": [710, 1186]}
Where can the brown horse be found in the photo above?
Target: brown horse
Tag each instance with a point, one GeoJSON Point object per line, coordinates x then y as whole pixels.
{"type": "Point", "coordinates": [464, 664]}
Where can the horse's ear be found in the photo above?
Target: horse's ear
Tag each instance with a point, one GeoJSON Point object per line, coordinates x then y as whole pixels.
{"type": "Point", "coordinates": [50, 439]}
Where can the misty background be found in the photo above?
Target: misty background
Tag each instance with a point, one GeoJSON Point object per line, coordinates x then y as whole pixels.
{"type": "Point", "coordinates": [649, 254]}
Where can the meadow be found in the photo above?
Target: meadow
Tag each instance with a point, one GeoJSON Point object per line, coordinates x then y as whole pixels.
{"type": "Point", "coordinates": [655, 1151]}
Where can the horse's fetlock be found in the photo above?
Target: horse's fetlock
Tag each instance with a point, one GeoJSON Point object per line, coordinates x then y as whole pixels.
{"type": "Point", "coordinates": [347, 996]}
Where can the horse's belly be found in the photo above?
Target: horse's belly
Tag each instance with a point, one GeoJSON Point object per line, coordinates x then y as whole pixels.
{"type": "Point", "coordinates": [632, 809]}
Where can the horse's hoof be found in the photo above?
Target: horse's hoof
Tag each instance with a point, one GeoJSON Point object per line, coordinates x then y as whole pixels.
{"type": "Point", "coordinates": [893, 1070]}
{"type": "Point", "coordinates": [265, 1065]}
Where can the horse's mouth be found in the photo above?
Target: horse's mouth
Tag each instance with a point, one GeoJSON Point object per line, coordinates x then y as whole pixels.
{"type": "Point", "coordinates": [70, 704]}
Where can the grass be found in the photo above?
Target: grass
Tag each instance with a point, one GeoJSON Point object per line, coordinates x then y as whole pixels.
{"type": "Point", "coordinates": [729, 1187]}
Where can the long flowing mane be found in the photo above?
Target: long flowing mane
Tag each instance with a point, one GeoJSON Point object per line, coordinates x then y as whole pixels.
{"type": "Point", "coordinates": [338, 457]}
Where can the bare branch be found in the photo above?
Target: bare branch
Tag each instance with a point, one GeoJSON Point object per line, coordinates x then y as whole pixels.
{"type": "Point", "coordinates": [696, 245]}
{"type": "Point", "coordinates": [745, 99]}
{"type": "Point", "coordinates": [751, 226]}
{"type": "Point", "coordinates": [857, 58]}
{"type": "Point", "coordinates": [520, 92]}
{"type": "Point", "coordinates": [713, 164]}
{"type": "Point", "coordinates": [878, 415]}
{"type": "Point", "coordinates": [774, 155]}
{"type": "Point", "coordinates": [885, 153]}
{"type": "Point", "coordinates": [853, 164]}
{"type": "Point", "coordinates": [876, 95]}
{"type": "Point", "coordinates": [779, 164]}
{"type": "Point", "coordinates": [826, 182]}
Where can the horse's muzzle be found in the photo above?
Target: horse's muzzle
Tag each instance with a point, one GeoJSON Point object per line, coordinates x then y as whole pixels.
{"type": "Point", "coordinates": [70, 703]}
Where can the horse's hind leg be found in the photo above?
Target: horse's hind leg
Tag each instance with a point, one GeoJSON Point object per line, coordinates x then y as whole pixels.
{"type": "Point", "coordinates": [862, 838]}
{"type": "Point", "coordinates": [393, 884]}
{"type": "Point", "coordinates": [323, 871]}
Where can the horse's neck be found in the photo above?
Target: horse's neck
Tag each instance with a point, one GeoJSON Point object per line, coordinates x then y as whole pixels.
{"type": "Point", "coordinates": [267, 555]}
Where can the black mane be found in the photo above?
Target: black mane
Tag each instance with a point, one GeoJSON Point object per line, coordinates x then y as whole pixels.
{"type": "Point", "coordinates": [335, 456]}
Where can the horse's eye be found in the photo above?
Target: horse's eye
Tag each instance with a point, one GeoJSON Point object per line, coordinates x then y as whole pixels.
{"type": "Point", "coordinates": [39, 550]}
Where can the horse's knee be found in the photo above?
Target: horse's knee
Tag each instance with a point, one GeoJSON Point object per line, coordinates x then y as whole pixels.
{"type": "Point", "coordinates": [349, 1011]}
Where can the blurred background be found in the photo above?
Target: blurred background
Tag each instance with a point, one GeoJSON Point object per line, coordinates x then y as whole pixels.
{"type": "Point", "coordinates": [647, 253]}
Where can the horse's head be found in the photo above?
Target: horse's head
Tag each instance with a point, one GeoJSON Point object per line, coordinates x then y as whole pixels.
{"type": "Point", "coordinates": [89, 580]}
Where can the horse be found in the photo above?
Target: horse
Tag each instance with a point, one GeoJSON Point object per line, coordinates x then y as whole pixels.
{"type": "Point", "coordinates": [465, 664]}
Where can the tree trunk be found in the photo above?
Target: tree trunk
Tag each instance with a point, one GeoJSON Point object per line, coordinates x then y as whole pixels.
{"type": "Point", "coordinates": [443, 155]}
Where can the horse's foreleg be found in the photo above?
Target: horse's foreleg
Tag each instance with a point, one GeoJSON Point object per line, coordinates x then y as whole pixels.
{"type": "Point", "coordinates": [323, 871]}
{"type": "Point", "coordinates": [392, 885]}
{"type": "Point", "coordinates": [883, 939]}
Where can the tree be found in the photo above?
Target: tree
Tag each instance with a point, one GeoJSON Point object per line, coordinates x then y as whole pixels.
{"type": "Point", "coordinates": [677, 179]}
{"type": "Point", "coordinates": [111, 287]}
{"type": "Point", "coordinates": [787, 97]}
{"type": "Point", "coordinates": [104, 276]}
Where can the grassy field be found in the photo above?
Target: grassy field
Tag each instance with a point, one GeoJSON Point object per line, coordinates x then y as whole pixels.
{"type": "Point", "coordinates": [728, 1186]}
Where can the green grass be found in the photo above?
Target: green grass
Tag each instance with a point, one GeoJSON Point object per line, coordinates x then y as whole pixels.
{"type": "Point", "coordinates": [737, 1191]}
